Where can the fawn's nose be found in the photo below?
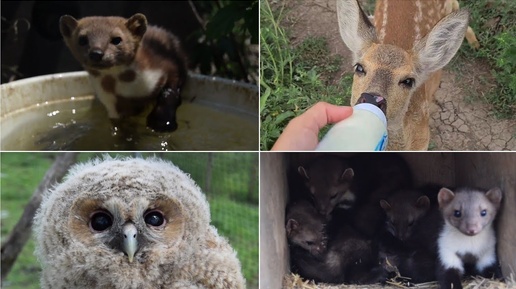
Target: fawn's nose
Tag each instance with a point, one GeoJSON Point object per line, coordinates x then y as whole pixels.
{"type": "Point", "coordinates": [377, 100]}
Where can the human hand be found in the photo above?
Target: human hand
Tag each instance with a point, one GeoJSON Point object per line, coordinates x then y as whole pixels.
{"type": "Point", "coordinates": [301, 133]}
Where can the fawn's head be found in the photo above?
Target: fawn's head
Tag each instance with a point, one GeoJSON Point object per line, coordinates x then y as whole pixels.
{"type": "Point", "coordinates": [391, 71]}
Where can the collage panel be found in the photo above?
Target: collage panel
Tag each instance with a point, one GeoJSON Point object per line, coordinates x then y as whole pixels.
{"type": "Point", "coordinates": [129, 220]}
{"type": "Point", "coordinates": [387, 220]}
{"type": "Point", "coordinates": [129, 76]}
{"type": "Point", "coordinates": [440, 85]}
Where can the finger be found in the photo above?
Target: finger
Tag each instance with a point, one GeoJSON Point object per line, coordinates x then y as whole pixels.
{"type": "Point", "coordinates": [323, 113]}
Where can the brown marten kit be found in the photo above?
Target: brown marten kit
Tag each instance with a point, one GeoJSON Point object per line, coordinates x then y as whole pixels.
{"type": "Point", "coordinates": [131, 65]}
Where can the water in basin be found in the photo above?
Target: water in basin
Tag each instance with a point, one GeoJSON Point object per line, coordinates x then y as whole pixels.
{"type": "Point", "coordinates": [81, 124]}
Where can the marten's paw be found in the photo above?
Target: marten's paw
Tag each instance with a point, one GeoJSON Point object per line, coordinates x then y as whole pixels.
{"type": "Point", "coordinates": [163, 117]}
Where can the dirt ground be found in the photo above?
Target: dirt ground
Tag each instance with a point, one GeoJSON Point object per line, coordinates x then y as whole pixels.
{"type": "Point", "coordinates": [457, 123]}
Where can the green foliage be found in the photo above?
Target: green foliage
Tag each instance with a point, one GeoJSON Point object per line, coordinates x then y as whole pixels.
{"type": "Point", "coordinates": [21, 174]}
{"type": "Point", "coordinates": [292, 79]}
{"type": "Point", "coordinates": [222, 44]}
{"type": "Point", "coordinates": [494, 23]}
{"type": "Point", "coordinates": [233, 199]}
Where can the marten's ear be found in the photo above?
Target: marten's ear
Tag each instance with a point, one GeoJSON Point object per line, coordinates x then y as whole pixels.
{"type": "Point", "coordinates": [67, 25]}
{"type": "Point", "coordinates": [137, 24]}
{"type": "Point", "coordinates": [494, 195]}
{"type": "Point", "coordinates": [444, 197]}
{"type": "Point", "coordinates": [303, 173]}
{"type": "Point", "coordinates": [292, 225]}
{"type": "Point", "coordinates": [385, 205]}
{"type": "Point", "coordinates": [423, 202]}
{"type": "Point", "coordinates": [347, 175]}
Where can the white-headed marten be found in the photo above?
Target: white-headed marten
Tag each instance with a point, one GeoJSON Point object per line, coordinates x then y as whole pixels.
{"type": "Point", "coordinates": [467, 241]}
{"type": "Point", "coordinates": [130, 65]}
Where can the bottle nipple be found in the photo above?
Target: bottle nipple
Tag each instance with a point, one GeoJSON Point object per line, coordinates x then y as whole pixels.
{"type": "Point", "coordinates": [377, 100]}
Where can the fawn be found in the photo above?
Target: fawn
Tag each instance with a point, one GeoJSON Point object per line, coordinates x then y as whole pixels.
{"type": "Point", "coordinates": [401, 59]}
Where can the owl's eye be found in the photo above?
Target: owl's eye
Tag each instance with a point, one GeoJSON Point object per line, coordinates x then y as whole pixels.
{"type": "Point", "coordinates": [154, 218]}
{"type": "Point", "coordinates": [100, 221]}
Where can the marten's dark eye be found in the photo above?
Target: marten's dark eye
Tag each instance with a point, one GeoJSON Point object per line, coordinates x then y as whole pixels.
{"type": "Point", "coordinates": [483, 213]}
{"type": "Point", "coordinates": [411, 223]}
{"type": "Point", "coordinates": [100, 221]}
{"type": "Point", "coordinates": [309, 243]}
{"type": "Point", "coordinates": [457, 214]}
{"type": "Point", "coordinates": [83, 40]}
{"type": "Point", "coordinates": [154, 218]}
{"type": "Point", "coordinates": [333, 197]}
{"type": "Point", "coordinates": [116, 40]}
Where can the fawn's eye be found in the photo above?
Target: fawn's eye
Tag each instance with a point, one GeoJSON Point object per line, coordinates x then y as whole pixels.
{"type": "Point", "coordinates": [83, 40]}
{"type": "Point", "coordinates": [116, 40]}
{"type": "Point", "coordinates": [408, 82]}
{"type": "Point", "coordinates": [359, 69]}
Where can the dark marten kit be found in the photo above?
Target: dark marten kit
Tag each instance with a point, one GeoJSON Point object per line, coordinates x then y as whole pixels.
{"type": "Point", "coordinates": [362, 220]}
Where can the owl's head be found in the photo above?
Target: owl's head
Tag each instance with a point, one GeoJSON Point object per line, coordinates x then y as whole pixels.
{"type": "Point", "coordinates": [130, 212]}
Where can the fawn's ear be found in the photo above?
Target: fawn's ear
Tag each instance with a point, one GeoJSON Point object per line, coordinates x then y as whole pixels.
{"type": "Point", "coordinates": [356, 30]}
{"type": "Point", "coordinates": [436, 49]}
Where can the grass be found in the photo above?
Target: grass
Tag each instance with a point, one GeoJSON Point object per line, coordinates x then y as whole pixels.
{"type": "Point", "coordinates": [21, 174]}
{"type": "Point", "coordinates": [494, 23]}
{"type": "Point", "coordinates": [292, 79]}
{"type": "Point", "coordinates": [235, 217]}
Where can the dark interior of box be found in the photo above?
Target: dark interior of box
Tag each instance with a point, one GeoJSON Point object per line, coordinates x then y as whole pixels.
{"type": "Point", "coordinates": [484, 170]}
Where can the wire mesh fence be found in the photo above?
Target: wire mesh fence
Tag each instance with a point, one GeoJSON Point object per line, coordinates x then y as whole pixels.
{"type": "Point", "coordinates": [229, 180]}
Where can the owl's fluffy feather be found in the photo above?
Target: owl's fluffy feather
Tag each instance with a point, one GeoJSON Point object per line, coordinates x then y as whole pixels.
{"type": "Point", "coordinates": [186, 253]}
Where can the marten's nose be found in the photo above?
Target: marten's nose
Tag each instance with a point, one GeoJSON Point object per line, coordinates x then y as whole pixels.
{"type": "Point", "coordinates": [96, 55]}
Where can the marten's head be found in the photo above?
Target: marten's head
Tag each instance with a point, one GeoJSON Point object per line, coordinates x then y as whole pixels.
{"type": "Point", "coordinates": [103, 42]}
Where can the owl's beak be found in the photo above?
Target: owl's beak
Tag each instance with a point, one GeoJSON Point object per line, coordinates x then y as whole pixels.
{"type": "Point", "coordinates": [130, 244]}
